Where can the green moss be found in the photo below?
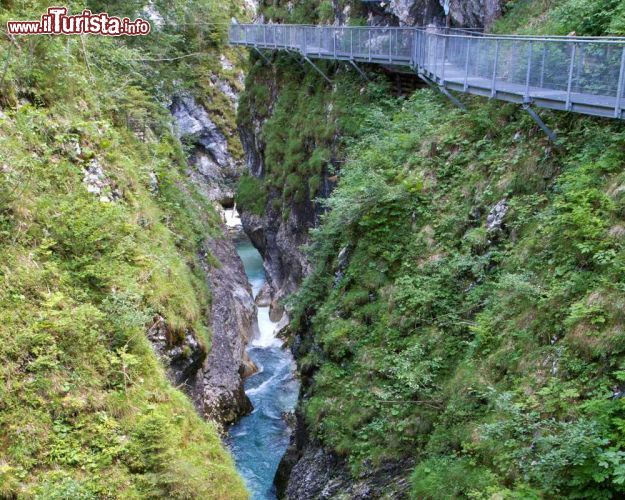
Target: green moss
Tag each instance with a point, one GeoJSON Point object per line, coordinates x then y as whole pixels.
{"type": "Point", "coordinates": [440, 330]}
{"type": "Point", "coordinates": [85, 408]}
{"type": "Point", "coordinates": [561, 17]}
{"type": "Point", "coordinates": [251, 195]}
{"type": "Point", "coordinates": [303, 129]}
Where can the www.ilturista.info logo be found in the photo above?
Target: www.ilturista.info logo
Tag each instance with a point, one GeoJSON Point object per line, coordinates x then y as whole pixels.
{"type": "Point", "coordinates": [57, 22]}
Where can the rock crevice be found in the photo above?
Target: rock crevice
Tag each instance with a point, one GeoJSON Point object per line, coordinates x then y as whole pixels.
{"type": "Point", "coordinates": [211, 167]}
{"type": "Point", "coordinates": [213, 377]}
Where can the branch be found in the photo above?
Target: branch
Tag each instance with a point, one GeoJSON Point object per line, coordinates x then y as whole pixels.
{"type": "Point", "coordinates": [6, 65]}
{"type": "Point", "coordinates": [167, 59]}
{"type": "Point", "coordinates": [432, 404]}
{"type": "Point", "coordinates": [86, 56]}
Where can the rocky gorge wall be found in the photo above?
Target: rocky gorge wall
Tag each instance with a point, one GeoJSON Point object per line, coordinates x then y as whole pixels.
{"type": "Point", "coordinates": [281, 232]}
{"type": "Point", "coordinates": [463, 13]}
{"type": "Point", "coordinates": [213, 378]}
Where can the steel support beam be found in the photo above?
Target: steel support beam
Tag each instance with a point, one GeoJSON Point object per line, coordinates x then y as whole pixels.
{"type": "Point", "coordinates": [550, 133]}
{"type": "Point", "coordinates": [318, 70]}
{"type": "Point", "coordinates": [262, 55]}
{"type": "Point", "coordinates": [360, 71]}
{"type": "Point", "coordinates": [426, 79]}
{"type": "Point", "coordinates": [443, 91]}
{"type": "Point", "coordinates": [298, 57]}
{"type": "Point", "coordinates": [452, 97]}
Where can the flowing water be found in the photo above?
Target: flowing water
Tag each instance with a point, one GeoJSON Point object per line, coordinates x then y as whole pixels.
{"type": "Point", "coordinates": [259, 440]}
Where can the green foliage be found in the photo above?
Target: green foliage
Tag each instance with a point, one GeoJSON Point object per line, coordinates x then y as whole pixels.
{"type": "Point", "coordinates": [326, 11]}
{"type": "Point", "coordinates": [251, 195]}
{"type": "Point", "coordinates": [85, 408]}
{"type": "Point", "coordinates": [570, 456]}
{"type": "Point", "coordinates": [303, 128]}
{"type": "Point", "coordinates": [561, 17]}
{"type": "Point", "coordinates": [487, 354]}
{"type": "Point", "coordinates": [451, 477]}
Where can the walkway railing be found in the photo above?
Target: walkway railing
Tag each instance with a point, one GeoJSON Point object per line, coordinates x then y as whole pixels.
{"type": "Point", "coordinates": [579, 74]}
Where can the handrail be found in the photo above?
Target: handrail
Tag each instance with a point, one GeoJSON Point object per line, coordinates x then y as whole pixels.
{"type": "Point", "coordinates": [541, 38]}
{"type": "Point", "coordinates": [442, 31]}
{"type": "Point", "coordinates": [580, 74]}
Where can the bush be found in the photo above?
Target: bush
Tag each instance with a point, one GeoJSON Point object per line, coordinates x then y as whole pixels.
{"type": "Point", "coordinates": [451, 477]}
{"type": "Point", "coordinates": [251, 195]}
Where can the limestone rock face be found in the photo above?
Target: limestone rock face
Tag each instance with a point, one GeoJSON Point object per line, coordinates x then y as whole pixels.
{"type": "Point", "coordinates": [319, 474]}
{"type": "Point", "coordinates": [213, 377]}
{"type": "Point", "coordinates": [182, 357]}
{"type": "Point", "coordinates": [97, 183]}
{"type": "Point", "coordinates": [417, 12]}
{"type": "Point", "coordinates": [210, 164]}
{"type": "Point", "coordinates": [280, 243]}
{"type": "Point", "coordinates": [464, 13]}
{"type": "Point", "coordinates": [474, 13]}
{"type": "Point", "coordinates": [233, 315]}
{"type": "Point", "coordinates": [495, 218]}
{"type": "Point", "coordinates": [263, 299]}
{"type": "Point", "coordinates": [279, 240]}
{"type": "Point", "coordinates": [214, 380]}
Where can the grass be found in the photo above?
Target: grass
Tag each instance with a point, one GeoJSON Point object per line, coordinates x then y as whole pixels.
{"type": "Point", "coordinates": [562, 17]}
{"type": "Point", "coordinates": [491, 358]}
{"type": "Point", "coordinates": [86, 410]}
{"type": "Point", "coordinates": [460, 326]}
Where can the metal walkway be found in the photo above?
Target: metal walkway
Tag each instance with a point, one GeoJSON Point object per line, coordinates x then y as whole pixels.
{"type": "Point", "coordinates": [579, 74]}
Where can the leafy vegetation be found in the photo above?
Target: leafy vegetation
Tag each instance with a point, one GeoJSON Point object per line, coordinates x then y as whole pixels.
{"type": "Point", "coordinates": [561, 17]}
{"type": "Point", "coordinates": [492, 352]}
{"type": "Point", "coordinates": [302, 130]}
{"type": "Point", "coordinates": [85, 408]}
{"type": "Point", "coordinates": [251, 196]}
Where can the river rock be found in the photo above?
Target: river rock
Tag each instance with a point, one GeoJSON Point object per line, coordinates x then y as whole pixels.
{"type": "Point", "coordinates": [247, 367]}
{"type": "Point", "coordinates": [263, 299]}
{"type": "Point", "coordinates": [282, 325]}
{"type": "Point", "coordinates": [276, 311]}
{"type": "Point", "coordinates": [181, 355]}
{"type": "Point", "coordinates": [233, 314]}
{"type": "Point", "coordinates": [211, 166]}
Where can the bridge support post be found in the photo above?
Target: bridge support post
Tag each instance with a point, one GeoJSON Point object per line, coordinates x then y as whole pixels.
{"type": "Point", "coordinates": [451, 97]}
{"type": "Point", "coordinates": [620, 90]}
{"type": "Point", "coordinates": [550, 133]}
{"type": "Point", "coordinates": [297, 57]}
{"type": "Point", "coordinates": [262, 55]}
{"type": "Point", "coordinates": [357, 68]}
{"type": "Point", "coordinates": [318, 70]}
{"type": "Point", "coordinates": [443, 91]}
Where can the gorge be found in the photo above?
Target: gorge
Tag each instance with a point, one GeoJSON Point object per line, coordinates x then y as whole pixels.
{"type": "Point", "coordinates": [258, 441]}
{"type": "Point", "coordinates": [415, 302]}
